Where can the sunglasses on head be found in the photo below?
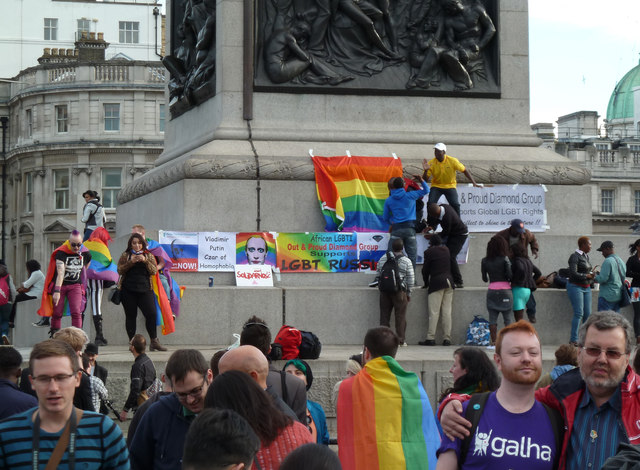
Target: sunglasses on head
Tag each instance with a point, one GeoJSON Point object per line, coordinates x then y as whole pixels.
{"type": "Point", "coordinates": [76, 245]}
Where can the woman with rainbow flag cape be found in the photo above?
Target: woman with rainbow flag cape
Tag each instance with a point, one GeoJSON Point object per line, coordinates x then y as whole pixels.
{"type": "Point", "coordinates": [385, 420]}
{"type": "Point", "coordinates": [65, 284]}
{"type": "Point", "coordinates": [141, 288]}
{"type": "Point", "coordinates": [101, 270]}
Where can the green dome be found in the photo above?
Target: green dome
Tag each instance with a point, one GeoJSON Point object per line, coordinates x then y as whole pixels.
{"type": "Point", "coordinates": [621, 101]}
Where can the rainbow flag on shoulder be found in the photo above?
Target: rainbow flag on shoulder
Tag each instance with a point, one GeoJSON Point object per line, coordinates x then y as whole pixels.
{"type": "Point", "coordinates": [385, 420]}
{"type": "Point", "coordinates": [352, 191]}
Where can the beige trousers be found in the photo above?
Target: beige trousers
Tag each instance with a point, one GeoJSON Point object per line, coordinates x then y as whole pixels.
{"type": "Point", "coordinates": [440, 307]}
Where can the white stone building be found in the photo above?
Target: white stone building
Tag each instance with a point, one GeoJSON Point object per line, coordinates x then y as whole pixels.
{"type": "Point", "coordinates": [74, 125]}
{"type": "Point", "coordinates": [610, 152]}
{"type": "Point", "coordinates": [132, 27]}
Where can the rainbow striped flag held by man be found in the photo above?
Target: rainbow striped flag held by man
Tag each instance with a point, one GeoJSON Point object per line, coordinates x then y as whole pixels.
{"type": "Point", "coordinates": [352, 191]}
{"type": "Point", "coordinates": [385, 421]}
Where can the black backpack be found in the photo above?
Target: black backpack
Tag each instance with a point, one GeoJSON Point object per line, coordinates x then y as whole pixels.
{"type": "Point", "coordinates": [310, 347]}
{"type": "Point", "coordinates": [389, 280]}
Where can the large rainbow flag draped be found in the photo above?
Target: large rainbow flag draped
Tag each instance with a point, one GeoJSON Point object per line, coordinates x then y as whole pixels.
{"type": "Point", "coordinates": [385, 421]}
{"type": "Point", "coordinates": [46, 303]}
{"type": "Point", "coordinates": [352, 191]}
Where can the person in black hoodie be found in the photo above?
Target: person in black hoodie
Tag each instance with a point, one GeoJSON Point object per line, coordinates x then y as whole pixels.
{"type": "Point", "coordinates": [454, 233]}
{"type": "Point", "coordinates": [633, 271]}
{"type": "Point", "coordinates": [523, 281]}
{"type": "Point", "coordinates": [436, 273]}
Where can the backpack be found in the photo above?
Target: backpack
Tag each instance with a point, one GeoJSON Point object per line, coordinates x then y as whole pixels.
{"type": "Point", "coordinates": [310, 347]}
{"type": "Point", "coordinates": [5, 291]}
{"type": "Point", "coordinates": [389, 280]}
{"type": "Point", "coordinates": [478, 332]}
{"type": "Point", "coordinates": [474, 411]}
{"type": "Point", "coordinates": [289, 338]}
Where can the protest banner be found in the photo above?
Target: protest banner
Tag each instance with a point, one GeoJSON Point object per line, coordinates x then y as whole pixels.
{"type": "Point", "coordinates": [255, 248]}
{"type": "Point", "coordinates": [253, 275]}
{"type": "Point", "coordinates": [317, 252]}
{"type": "Point", "coordinates": [182, 248]}
{"type": "Point", "coordinates": [492, 208]}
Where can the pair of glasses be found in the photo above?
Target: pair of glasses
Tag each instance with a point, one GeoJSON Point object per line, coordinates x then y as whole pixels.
{"type": "Point", "coordinates": [76, 245]}
{"type": "Point", "coordinates": [610, 353]}
{"type": "Point", "coordinates": [195, 393]}
{"type": "Point", "coordinates": [59, 379]}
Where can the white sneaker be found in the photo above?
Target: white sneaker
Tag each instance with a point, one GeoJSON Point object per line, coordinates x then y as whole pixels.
{"type": "Point", "coordinates": [404, 345]}
{"type": "Point", "coordinates": [491, 347]}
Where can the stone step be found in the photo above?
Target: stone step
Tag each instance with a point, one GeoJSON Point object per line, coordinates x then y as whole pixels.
{"type": "Point", "coordinates": [339, 316]}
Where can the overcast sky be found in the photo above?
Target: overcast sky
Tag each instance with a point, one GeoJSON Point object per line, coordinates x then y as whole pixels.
{"type": "Point", "coordinates": [579, 50]}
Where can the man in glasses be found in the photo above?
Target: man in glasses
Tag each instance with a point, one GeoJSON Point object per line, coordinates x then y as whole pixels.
{"type": "Point", "coordinates": [28, 439]}
{"type": "Point", "coordinates": [599, 401]}
{"type": "Point", "coordinates": [159, 440]}
{"type": "Point", "coordinates": [66, 281]}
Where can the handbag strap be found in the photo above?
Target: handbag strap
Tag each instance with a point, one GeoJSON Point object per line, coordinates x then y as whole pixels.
{"type": "Point", "coordinates": [622, 277]}
{"type": "Point", "coordinates": [63, 442]}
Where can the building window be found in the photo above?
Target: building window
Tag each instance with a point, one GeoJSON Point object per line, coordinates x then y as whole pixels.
{"type": "Point", "coordinates": [51, 29]}
{"type": "Point", "coordinates": [84, 25]}
{"type": "Point", "coordinates": [112, 117]}
{"type": "Point", "coordinates": [111, 184]}
{"type": "Point", "coordinates": [607, 200]}
{"type": "Point", "coordinates": [28, 116]}
{"type": "Point", "coordinates": [636, 202]}
{"type": "Point", "coordinates": [61, 188]}
{"type": "Point", "coordinates": [28, 192]}
{"type": "Point", "coordinates": [62, 119]}
{"type": "Point", "coordinates": [129, 32]}
{"type": "Point", "coordinates": [27, 250]}
{"type": "Point", "coordinates": [161, 118]}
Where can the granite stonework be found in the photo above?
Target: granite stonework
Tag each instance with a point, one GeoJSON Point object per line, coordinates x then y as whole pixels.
{"type": "Point", "coordinates": [239, 164]}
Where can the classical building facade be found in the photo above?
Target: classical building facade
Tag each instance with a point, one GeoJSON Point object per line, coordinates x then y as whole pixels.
{"type": "Point", "coordinates": [611, 152]}
{"type": "Point", "coordinates": [133, 27]}
{"type": "Point", "coordinates": [75, 122]}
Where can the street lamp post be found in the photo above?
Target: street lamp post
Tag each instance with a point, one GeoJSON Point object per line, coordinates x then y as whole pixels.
{"type": "Point", "coordinates": [4, 120]}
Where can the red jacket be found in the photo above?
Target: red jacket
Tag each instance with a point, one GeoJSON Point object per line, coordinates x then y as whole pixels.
{"type": "Point", "coordinates": [566, 392]}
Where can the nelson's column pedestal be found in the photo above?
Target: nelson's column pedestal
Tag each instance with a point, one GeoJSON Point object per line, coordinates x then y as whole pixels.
{"type": "Point", "coordinates": [256, 85]}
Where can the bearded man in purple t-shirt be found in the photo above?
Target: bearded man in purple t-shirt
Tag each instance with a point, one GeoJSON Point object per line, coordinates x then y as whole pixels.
{"type": "Point", "coordinates": [514, 430]}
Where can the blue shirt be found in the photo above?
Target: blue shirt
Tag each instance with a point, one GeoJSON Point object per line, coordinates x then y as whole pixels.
{"type": "Point", "coordinates": [596, 432]}
{"type": "Point", "coordinates": [13, 400]}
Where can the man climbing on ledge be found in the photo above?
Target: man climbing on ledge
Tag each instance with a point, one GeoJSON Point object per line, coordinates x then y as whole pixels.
{"type": "Point", "coordinates": [441, 171]}
{"type": "Point", "coordinates": [400, 213]}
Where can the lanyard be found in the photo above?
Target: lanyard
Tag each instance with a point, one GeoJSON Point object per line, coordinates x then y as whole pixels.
{"type": "Point", "coordinates": [72, 440]}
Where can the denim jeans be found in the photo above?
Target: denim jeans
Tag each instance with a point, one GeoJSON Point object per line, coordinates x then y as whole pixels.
{"type": "Point", "coordinates": [604, 304]}
{"type": "Point", "coordinates": [408, 236]}
{"type": "Point", "coordinates": [580, 298]}
{"type": "Point", "coordinates": [450, 193]}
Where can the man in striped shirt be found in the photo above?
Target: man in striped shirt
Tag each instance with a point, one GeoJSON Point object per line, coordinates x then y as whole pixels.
{"type": "Point", "coordinates": [28, 440]}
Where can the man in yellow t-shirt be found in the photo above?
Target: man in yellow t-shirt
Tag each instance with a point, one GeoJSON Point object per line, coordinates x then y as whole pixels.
{"type": "Point", "coordinates": [442, 170]}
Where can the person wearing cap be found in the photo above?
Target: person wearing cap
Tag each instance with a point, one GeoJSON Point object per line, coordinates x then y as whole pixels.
{"type": "Point", "coordinates": [610, 277]}
{"type": "Point", "coordinates": [92, 351]}
{"type": "Point", "coordinates": [517, 234]}
{"type": "Point", "coordinates": [316, 418]}
{"type": "Point", "coordinates": [441, 173]}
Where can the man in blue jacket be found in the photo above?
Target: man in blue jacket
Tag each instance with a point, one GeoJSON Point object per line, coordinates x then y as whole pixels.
{"type": "Point", "coordinates": [13, 400]}
{"type": "Point", "coordinates": [400, 213]}
{"type": "Point", "coordinates": [159, 439]}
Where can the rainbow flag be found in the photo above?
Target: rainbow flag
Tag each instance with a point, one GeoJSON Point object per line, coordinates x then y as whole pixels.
{"type": "Point", "coordinates": [101, 266]}
{"type": "Point", "coordinates": [352, 191]}
{"type": "Point", "coordinates": [385, 421]}
{"type": "Point", "coordinates": [164, 315]}
{"type": "Point", "coordinates": [46, 303]}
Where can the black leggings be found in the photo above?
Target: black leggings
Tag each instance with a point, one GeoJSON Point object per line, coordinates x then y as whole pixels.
{"type": "Point", "coordinates": [146, 301]}
{"type": "Point", "coordinates": [636, 318]}
{"type": "Point", "coordinates": [19, 298]}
